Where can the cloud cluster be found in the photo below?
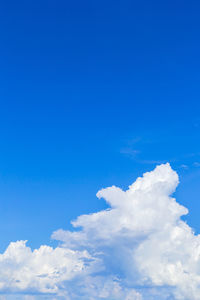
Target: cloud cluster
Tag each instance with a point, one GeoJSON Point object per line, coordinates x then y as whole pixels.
{"type": "Point", "coordinates": [137, 249]}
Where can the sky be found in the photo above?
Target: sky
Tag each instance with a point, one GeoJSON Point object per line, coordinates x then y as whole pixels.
{"type": "Point", "coordinates": [94, 94]}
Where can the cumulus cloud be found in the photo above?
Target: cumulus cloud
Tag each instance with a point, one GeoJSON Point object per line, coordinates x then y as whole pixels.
{"type": "Point", "coordinates": [137, 249]}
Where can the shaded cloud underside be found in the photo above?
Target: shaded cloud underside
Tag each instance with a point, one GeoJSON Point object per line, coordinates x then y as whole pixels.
{"type": "Point", "coordinates": [138, 249]}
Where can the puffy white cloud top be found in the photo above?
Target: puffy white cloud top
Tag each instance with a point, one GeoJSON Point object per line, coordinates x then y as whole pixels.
{"type": "Point", "coordinates": [137, 249]}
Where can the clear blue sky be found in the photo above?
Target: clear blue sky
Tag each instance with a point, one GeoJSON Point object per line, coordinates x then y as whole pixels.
{"type": "Point", "coordinates": [93, 93]}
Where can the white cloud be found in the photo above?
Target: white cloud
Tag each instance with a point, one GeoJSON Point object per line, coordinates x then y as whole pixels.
{"type": "Point", "coordinates": [137, 249]}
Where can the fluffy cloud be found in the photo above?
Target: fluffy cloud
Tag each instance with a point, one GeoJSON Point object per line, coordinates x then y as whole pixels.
{"type": "Point", "coordinates": [137, 249]}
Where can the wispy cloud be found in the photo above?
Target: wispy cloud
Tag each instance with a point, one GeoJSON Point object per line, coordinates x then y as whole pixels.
{"type": "Point", "coordinates": [183, 166]}
{"type": "Point", "coordinates": [129, 151]}
{"type": "Point", "coordinates": [142, 152]}
{"type": "Point", "coordinates": [196, 164]}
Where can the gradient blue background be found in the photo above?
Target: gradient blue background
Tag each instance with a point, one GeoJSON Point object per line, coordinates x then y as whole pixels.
{"type": "Point", "coordinates": [93, 93]}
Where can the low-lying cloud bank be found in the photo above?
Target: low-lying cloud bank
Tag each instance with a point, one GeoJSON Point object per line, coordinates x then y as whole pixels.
{"type": "Point", "coordinates": [137, 249]}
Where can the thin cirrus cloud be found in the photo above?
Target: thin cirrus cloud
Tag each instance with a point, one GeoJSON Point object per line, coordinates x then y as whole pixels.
{"type": "Point", "coordinates": [137, 249]}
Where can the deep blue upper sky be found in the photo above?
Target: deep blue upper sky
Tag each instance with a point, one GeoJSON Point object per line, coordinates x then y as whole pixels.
{"type": "Point", "coordinates": [93, 93]}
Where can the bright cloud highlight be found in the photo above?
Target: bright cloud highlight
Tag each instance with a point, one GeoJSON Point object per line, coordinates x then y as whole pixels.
{"type": "Point", "coordinates": [137, 249]}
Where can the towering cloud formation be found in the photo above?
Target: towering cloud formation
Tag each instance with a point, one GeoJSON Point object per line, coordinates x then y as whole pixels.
{"type": "Point", "coordinates": [137, 249]}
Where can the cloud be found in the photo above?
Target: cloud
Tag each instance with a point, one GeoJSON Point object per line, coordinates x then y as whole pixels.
{"type": "Point", "coordinates": [137, 249]}
{"type": "Point", "coordinates": [196, 164]}
{"type": "Point", "coordinates": [130, 152]}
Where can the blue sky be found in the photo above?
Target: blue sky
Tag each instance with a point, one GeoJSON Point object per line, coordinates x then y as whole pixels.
{"type": "Point", "coordinates": [93, 93]}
